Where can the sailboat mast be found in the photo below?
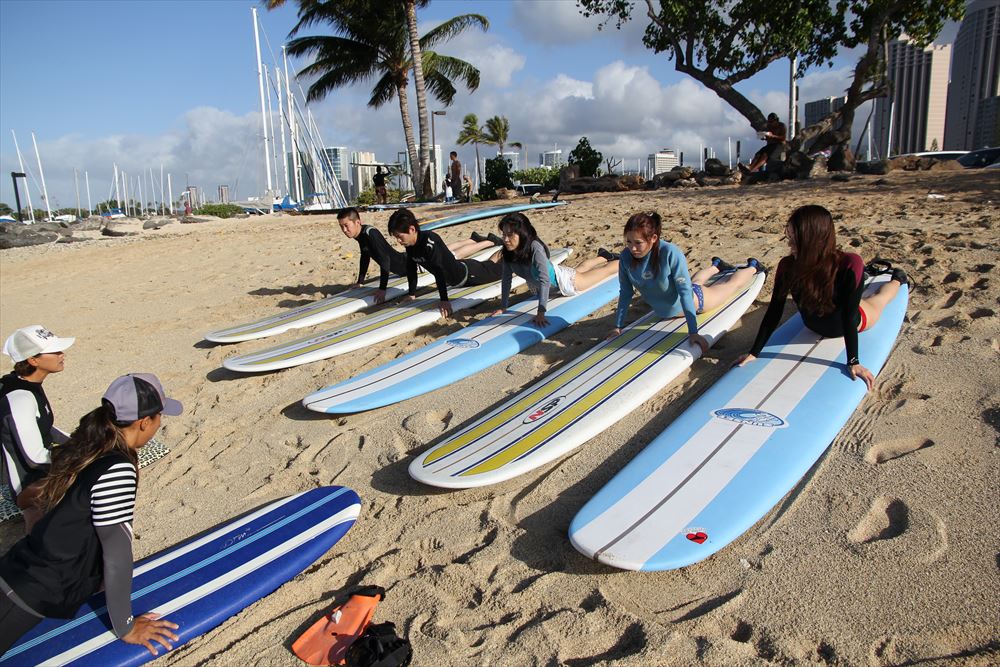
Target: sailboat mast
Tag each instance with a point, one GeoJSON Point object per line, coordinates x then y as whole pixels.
{"type": "Point", "coordinates": [76, 182]}
{"type": "Point", "coordinates": [263, 110]}
{"type": "Point", "coordinates": [284, 150]}
{"type": "Point", "coordinates": [41, 173]}
{"type": "Point", "coordinates": [27, 189]}
{"type": "Point", "coordinates": [170, 193]}
{"type": "Point", "coordinates": [293, 130]}
{"type": "Point", "coordinates": [90, 208]}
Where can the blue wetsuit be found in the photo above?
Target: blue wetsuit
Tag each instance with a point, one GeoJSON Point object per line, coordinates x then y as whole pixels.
{"type": "Point", "coordinates": [665, 286]}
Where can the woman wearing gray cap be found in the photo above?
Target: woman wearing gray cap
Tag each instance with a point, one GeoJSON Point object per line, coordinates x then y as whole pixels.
{"type": "Point", "coordinates": [84, 539]}
{"type": "Point", "coordinates": [26, 421]}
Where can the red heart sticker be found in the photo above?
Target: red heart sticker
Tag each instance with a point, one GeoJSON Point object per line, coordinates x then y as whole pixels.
{"type": "Point", "coordinates": [698, 537]}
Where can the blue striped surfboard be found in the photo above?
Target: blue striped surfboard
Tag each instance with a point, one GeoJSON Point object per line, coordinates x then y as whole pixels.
{"type": "Point", "coordinates": [202, 582]}
{"type": "Point", "coordinates": [490, 212]}
{"type": "Point", "coordinates": [459, 355]}
{"type": "Point", "coordinates": [734, 453]}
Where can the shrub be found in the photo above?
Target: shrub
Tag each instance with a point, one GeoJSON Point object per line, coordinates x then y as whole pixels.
{"type": "Point", "coordinates": [547, 177]}
{"type": "Point", "coordinates": [367, 197]}
{"type": "Point", "coordinates": [220, 210]}
{"type": "Point", "coordinates": [497, 176]}
{"type": "Point", "coordinates": [585, 156]}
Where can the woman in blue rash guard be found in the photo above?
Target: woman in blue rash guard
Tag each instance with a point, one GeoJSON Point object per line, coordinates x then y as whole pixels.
{"type": "Point", "coordinates": [84, 539]}
{"type": "Point", "coordinates": [658, 270]}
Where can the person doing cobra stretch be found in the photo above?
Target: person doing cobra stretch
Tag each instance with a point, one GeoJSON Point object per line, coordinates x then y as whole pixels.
{"type": "Point", "coordinates": [827, 286]}
{"type": "Point", "coordinates": [526, 255]}
{"type": "Point", "coordinates": [658, 270]}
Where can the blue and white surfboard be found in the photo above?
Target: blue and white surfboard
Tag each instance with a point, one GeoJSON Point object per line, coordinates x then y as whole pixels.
{"type": "Point", "coordinates": [481, 213]}
{"type": "Point", "coordinates": [201, 583]}
{"type": "Point", "coordinates": [459, 355]}
{"type": "Point", "coordinates": [735, 452]}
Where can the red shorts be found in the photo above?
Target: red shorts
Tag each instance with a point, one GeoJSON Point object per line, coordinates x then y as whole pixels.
{"type": "Point", "coordinates": [864, 319]}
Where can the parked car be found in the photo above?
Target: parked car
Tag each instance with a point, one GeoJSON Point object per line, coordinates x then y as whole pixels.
{"type": "Point", "coordinates": [528, 188]}
{"type": "Point", "coordinates": [939, 155]}
{"type": "Point", "coordinates": [981, 158]}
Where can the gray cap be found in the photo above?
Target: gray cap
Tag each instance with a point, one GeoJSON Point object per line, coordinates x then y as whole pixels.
{"type": "Point", "coordinates": [139, 395]}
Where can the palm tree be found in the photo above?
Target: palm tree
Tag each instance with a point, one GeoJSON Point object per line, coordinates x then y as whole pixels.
{"type": "Point", "coordinates": [372, 41]}
{"type": "Point", "coordinates": [419, 84]}
{"type": "Point", "coordinates": [498, 132]}
{"type": "Point", "coordinates": [472, 133]}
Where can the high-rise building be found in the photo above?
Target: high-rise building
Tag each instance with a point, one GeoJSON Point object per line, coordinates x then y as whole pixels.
{"type": "Point", "coordinates": [337, 159]}
{"type": "Point", "coordinates": [361, 172]}
{"type": "Point", "coordinates": [194, 196]}
{"type": "Point", "coordinates": [912, 118]}
{"type": "Point", "coordinates": [553, 158]}
{"type": "Point", "coordinates": [817, 110]}
{"type": "Point", "coordinates": [974, 94]}
{"type": "Point", "coordinates": [513, 158]}
{"type": "Point", "coordinates": [661, 161]}
{"type": "Point", "coordinates": [223, 194]}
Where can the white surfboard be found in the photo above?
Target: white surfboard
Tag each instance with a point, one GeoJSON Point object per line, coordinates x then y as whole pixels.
{"type": "Point", "coordinates": [568, 408]}
{"type": "Point", "coordinates": [383, 325]}
{"type": "Point", "coordinates": [734, 453]}
{"type": "Point", "coordinates": [324, 310]}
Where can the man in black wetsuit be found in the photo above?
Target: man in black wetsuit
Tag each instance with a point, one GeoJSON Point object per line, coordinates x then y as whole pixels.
{"type": "Point", "coordinates": [373, 246]}
{"type": "Point", "coordinates": [426, 249]}
{"type": "Point", "coordinates": [378, 180]}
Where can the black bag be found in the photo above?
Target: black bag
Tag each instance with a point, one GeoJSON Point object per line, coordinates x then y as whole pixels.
{"type": "Point", "coordinates": [379, 646]}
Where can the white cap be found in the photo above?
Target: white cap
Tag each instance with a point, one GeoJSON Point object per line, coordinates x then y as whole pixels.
{"type": "Point", "coordinates": [33, 340]}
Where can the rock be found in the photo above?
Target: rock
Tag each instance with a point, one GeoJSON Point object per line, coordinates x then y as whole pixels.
{"type": "Point", "coordinates": [687, 183]}
{"type": "Point", "coordinates": [843, 178]}
{"type": "Point", "coordinates": [668, 178]}
{"type": "Point", "coordinates": [567, 174]}
{"type": "Point", "coordinates": [594, 184]}
{"type": "Point", "coordinates": [905, 162]}
{"type": "Point", "coordinates": [156, 223]}
{"type": "Point", "coordinates": [632, 182]}
{"type": "Point", "coordinates": [873, 167]}
{"type": "Point", "coordinates": [731, 180]}
{"type": "Point", "coordinates": [710, 182]}
{"type": "Point", "coordinates": [799, 164]}
{"type": "Point", "coordinates": [841, 159]}
{"type": "Point", "coordinates": [818, 167]}
{"type": "Point", "coordinates": [506, 193]}
{"type": "Point", "coordinates": [20, 236]}
{"type": "Point", "coordinates": [190, 220]}
{"type": "Point", "coordinates": [714, 167]}
{"type": "Point", "coordinates": [946, 165]}
{"type": "Point", "coordinates": [107, 231]}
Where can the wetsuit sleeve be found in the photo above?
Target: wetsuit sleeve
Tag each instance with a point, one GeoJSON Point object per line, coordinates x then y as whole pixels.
{"type": "Point", "coordinates": [112, 500]}
{"type": "Point", "coordinates": [439, 257]}
{"type": "Point", "coordinates": [24, 428]}
{"type": "Point", "coordinates": [852, 286]}
{"type": "Point", "coordinates": [541, 263]}
{"type": "Point", "coordinates": [381, 251]}
{"type": "Point", "coordinates": [59, 437]}
{"type": "Point", "coordinates": [774, 309]}
{"type": "Point", "coordinates": [506, 279]}
{"type": "Point", "coordinates": [411, 274]}
{"type": "Point", "coordinates": [625, 291]}
{"type": "Point", "coordinates": [366, 256]}
{"type": "Point", "coordinates": [677, 265]}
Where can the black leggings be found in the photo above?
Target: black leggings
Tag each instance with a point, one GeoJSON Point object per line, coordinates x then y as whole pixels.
{"type": "Point", "coordinates": [14, 622]}
{"type": "Point", "coordinates": [481, 273]}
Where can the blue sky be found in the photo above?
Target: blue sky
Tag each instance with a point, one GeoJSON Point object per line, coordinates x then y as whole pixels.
{"type": "Point", "coordinates": [174, 82]}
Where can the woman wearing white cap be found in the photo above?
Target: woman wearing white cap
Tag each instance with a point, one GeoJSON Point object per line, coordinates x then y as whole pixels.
{"type": "Point", "coordinates": [26, 421]}
{"type": "Point", "coordinates": [84, 539]}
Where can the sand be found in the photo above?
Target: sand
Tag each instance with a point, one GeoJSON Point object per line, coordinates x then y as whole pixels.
{"type": "Point", "coordinates": [885, 554]}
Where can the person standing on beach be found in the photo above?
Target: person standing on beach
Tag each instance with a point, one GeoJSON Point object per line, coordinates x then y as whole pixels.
{"type": "Point", "coordinates": [83, 543]}
{"type": "Point", "coordinates": [774, 138]}
{"type": "Point", "coordinates": [526, 255]}
{"type": "Point", "coordinates": [427, 250]}
{"type": "Point", "coordinates": [659, 271]}
{"type": "Point", "coordinates": [455, 176]}
{"type": "Point", "coordinates": [378, 180]}
{"type": "Point", "coordinates": [389, 260]}
{"type": "Point", "coordinates": [827, 285]}
{"type": "Point", "coordinates": [27, 432]}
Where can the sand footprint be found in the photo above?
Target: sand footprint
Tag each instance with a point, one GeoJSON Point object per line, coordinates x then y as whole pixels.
{"type": "Point", "coordinates": [887, 450]}
{"type": "Point", "coordinates": [886, 518]}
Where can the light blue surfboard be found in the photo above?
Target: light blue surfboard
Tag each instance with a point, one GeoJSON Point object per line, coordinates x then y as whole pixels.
{"type": "Point", "coordinates": [459, 355]}
{"type": "Point", "coordinates": [490, 212]}
{"type": "Point", "coordinates": [735, 452]}
{"type": "Point", "coordinates": [200, 583]}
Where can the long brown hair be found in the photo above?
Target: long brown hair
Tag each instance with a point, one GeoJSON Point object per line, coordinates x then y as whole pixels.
{"type": "Point", "coordinates": [97, 434]}
{"type": "Point", "coordinates": [817, 256]}
{"type": "Point", "coordinates": [647, 224]}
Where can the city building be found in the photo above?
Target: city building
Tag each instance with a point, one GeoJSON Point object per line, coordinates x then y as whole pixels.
{"type": "Point", "coordinates": [361, 172]}
{"type": "Point", "coordinates": [974, 94]}
{"type": "Point", "coordinates": [514, 159]}
{"type": "Point", "coordinates": [194, 196]}
{"type": "Point", "coordinates": [662, 161]}
{"type": "Point", "coordinates": [337, 158]}
{"type": "Point", "coordinates": [817, 110]}
{"type": "Point", "coordinates": [552, 159]}
{"type": "Point", "coordinates": [305, 173]}
{"type": "Point", "coordinates": [223, 194]}
{"type": "Point", "coordinates": [912, 118]}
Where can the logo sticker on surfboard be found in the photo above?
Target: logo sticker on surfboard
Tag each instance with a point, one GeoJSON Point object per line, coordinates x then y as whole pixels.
{"type": "Point", "coordinates": [750, 417]}
{"type": "Point", "coordinates": [696, 535]}
{"type": "Point", "coordinates": [466, 343]}
{"type": "Point", "coordinates": [543, 410]}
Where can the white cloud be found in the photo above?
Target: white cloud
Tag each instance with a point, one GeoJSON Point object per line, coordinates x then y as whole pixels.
{"type": "Point", "coordinates": [553, 21]}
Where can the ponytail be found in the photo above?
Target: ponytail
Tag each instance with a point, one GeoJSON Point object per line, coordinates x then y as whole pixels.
{"type": "Point", "coordinates": [647, 224]}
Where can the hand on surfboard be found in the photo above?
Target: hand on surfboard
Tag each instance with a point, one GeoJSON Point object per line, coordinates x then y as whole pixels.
{"type": "Point", "coordinates": [611, 334]}
{"type": "Point", "coordinates": [149, 628]}
{"type": "Point", "coordinates": [379, 296]}
{"type": "Point", "coordinates": [743, 359]}
{"type": "Point", "coordinates": [539, 320]}
{"type": "Point", "coordinates": [700, 341]}
{"type": "Point", "coordinates": [445, 308]}
{"type": "Point", "coordinates": [859, 371]}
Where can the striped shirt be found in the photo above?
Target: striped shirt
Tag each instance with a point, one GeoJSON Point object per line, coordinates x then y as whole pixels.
{"type": "Point", "coordinates": [112, 498]}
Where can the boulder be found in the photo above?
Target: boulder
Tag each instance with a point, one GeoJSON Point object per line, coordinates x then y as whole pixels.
{"type": "Point", "coordinates": [874, 167]}
{"type": "Point", "coordinates": [567, 174]}
{"type": "Point", "coordinates": [632, 182]}
{"type": "Point", "coordinates": [841, 159]}
{"type": "Point", "coordinates": [687, 183]}
{"type": "Point", "coordinates": [594, 184]}
{"type": "Point", "coordinates": [156, 223]}
{"type": "Point", "coordinates": [818, 167]}
{"type": "Point", "coordinates": [20, 236]}
{"type": "Point", "coordinates": [506, 193]}
{"type": "Point", "coordinates": [714, 167]}
{"type": "Point", "coordinates": [946, 165]}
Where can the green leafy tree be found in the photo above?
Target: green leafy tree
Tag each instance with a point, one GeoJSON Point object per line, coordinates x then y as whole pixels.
{"type": "Point", "coordinates": [372, 42]}
{"type": "Point", "coordinates": [497, 176]}
{"type": "Point", "coordinates": [721, 44]}
{"type": "Point", "coordinates": [497, 133]}
{"type": "Point", "coordinates": [586, 157]}
{"type": "Point", "coordinates": [472, 133]}
{"type": "Point", "coordinates": [548, 178]}
{"type": "Point", "coordinates": [5, 209]}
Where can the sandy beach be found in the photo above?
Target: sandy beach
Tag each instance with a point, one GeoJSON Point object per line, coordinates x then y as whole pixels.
{"type": "Point", "coordinates": [885, 554]}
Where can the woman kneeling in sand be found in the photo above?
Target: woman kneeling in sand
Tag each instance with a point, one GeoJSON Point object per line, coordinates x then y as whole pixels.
{"type": "Point", "coordinates": [826, 285]}
{"type": "Point", "coordinates": [526, 255]}
{"type": "Point", "coordinates": [659, 271]}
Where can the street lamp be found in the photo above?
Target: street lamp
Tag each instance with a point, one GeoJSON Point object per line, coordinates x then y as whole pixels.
{"type": "Point", "coordinates": [434, 151]}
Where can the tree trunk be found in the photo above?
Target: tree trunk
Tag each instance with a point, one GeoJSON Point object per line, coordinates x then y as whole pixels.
{"type": "Point", "coordinates": [421, 184]}
{"type": "Point", "coordinates": [411, 147]}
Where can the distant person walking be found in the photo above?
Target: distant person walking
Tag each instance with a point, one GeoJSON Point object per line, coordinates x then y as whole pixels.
{"type": "Point", "coordinates": [378, 180]}
{"type": "Point", "coordinates": [454, 176]}
{"type": "Point", "coordinates": [774, 138]}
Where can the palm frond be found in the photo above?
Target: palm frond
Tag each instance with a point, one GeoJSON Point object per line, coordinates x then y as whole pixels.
{"type": "Point", "coordinates": [452, 28]}
{"type": "Point", "coordinates": [456, 68]}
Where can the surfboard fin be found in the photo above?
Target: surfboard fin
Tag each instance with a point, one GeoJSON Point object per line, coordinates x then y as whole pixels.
{"type": "Point", "coordinates": [327, 641]}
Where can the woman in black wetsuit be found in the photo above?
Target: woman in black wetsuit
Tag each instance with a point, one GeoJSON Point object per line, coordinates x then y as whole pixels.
{"type": "Point", "coordinates": [826, 285]}
{"type": "Point", "coordinates": [84, 539]}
